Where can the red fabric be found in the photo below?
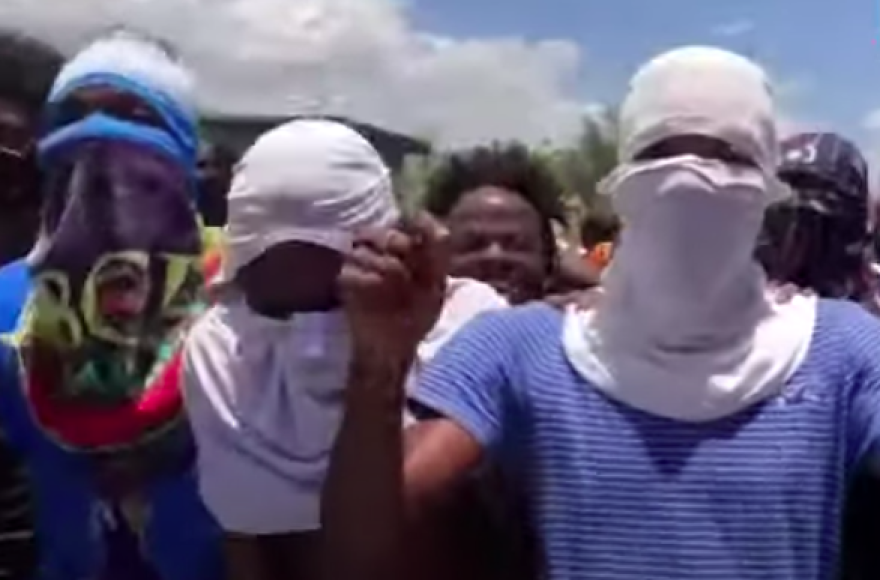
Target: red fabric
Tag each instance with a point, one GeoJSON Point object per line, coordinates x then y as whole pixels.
{"type": "Point", "coordinates": [91, 427]}
{"type": "Point", "coordinates": [211, 264]}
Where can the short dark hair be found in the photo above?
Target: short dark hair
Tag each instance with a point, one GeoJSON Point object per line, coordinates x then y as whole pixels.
{"type": "Point", "coordinates": [28, 68]}
{"type": "Point", "coordinates": [599, 227]}
{"type": "Point", "coordinates": [512, 167]}
{"type": "Point", "coordinates": [832, 250]}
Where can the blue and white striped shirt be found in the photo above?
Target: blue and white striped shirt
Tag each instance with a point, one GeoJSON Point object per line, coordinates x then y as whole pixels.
{"type": "Point", "coordinates": [619, 494]}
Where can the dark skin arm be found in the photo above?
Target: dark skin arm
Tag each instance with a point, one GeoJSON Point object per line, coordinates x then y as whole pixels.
{"type": "Point", "coordinates": [362, 504]}
{"type": "Point", "coordinates": [393, 287]}
{"type": "Point", "coordinates": [382, 480]}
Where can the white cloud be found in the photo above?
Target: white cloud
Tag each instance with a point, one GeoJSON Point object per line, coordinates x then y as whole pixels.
{"type": "Point", "coordinates": [361, 58]}
{"type": "Point", "coordinates": [734, 28]}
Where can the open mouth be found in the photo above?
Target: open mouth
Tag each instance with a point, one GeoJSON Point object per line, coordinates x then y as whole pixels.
{"type": "Point", "coordinates": [122, 292]}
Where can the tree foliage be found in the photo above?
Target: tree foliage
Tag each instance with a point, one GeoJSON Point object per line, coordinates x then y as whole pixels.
{"type": "Point", "coordinates": [579, 166]}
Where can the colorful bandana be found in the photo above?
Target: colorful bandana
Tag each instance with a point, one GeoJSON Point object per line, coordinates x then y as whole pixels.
{"type": "Point", "coordinates": [117, 275]}
{"type": "Point", "coordinates": [118, 272]}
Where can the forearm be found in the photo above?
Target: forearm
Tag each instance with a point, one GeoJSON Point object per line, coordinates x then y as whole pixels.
{"type": "Point", "coordinates": [363, 495]}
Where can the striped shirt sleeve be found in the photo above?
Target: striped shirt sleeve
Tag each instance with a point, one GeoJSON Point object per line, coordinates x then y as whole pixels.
{"type": "Point", "coordinates": [467, 381]}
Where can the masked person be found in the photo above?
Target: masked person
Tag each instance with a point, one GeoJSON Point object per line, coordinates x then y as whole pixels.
{"type": "Point", "coordinates": [266, 367]}
{"type": "Point", "coordinates": [819, 240]}
{"type": "Point", "coordinates": [91, 382]}
{"type": "Point", "coordinates": [690, 423]}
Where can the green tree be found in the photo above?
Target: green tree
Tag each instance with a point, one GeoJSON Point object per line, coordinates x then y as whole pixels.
{"type": "Point", "coordinates": [412, 179]}
{"type": "Point", "coordinates": [583, 164]}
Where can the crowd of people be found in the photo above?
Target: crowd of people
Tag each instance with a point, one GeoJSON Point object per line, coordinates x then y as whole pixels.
{"type": "Point", "coordinates": [267, 368]}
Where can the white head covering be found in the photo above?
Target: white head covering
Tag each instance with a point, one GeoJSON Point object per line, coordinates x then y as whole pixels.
{"type": "Point", "coordinates": [701, 91]}
{"type": "Point", "coordinates": [686, 328]}
{"type": "Point", "coordinates": [313, 181]}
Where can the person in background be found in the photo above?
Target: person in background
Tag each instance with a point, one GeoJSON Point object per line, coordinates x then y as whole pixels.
{"type": "Point", "coordinates": [266, 366]}
{"type": "Point", "coordinates": [499, 205]}
{"type": "Point", "coordinates": [215, 174]}
{"type": "Point", "coordinates": [692, 422]}
{"type": "Point", "coordinates": [573, 273]}
{"type": "Point", "coordinates": [820, 240]}
{"type": "Point", "coordinates": [90, 381]}
{"type": "Point", "coordinates": [27, 69]}
{"type": "Point", "coordinates": [599, 232]}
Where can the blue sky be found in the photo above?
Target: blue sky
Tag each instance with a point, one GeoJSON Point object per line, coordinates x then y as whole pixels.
{"type": "Point", "coordinates": [826, 53]}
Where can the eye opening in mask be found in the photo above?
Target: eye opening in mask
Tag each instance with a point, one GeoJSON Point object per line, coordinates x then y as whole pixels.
{"type": "Point", "coordinates": [703, 146]}
{"type": "Point", "coordinates": [110, 101]}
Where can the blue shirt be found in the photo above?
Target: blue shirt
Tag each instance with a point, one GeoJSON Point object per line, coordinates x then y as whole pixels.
{"type": "Point", "coordinates": [15, 284]}
{"type": "Point", "coordinates": [620, 494]}
{"type": "Point", "coordinates": [78, 537]}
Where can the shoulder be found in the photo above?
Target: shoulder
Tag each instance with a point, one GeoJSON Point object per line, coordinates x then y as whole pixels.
{"type": "Point", "coordinates": [528, 318]}
{"type": "Point", "coordinates": [847, 321]}
{"type": "Point", "coordinates": [209, 352]}
{"type": "Point", "coordinates": [210, 336]}
{"type": "Point", "coordinates": [507, 331]}
{"type": "Point", "coordinates": [465, 300]}
{"type": "Point", "coordinates": [472, 295]}
{"type": "Point", "coordinates": [848, 332]}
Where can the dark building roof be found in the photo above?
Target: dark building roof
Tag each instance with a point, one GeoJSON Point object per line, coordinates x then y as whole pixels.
{"type": "Point", "coordinates": [239, 132]}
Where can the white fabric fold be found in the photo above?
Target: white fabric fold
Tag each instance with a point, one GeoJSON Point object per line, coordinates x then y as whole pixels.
{"type": "Point", "coordinates": [685, 327]}
{"type": "Point", "coordinates": [703, 91]}
{"type": "Point", "coordinates": [696, 386]}
{"type": "Point", "coordinates": [265, 399]}
{"type": "Point", "coordinates": [312, 181]}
